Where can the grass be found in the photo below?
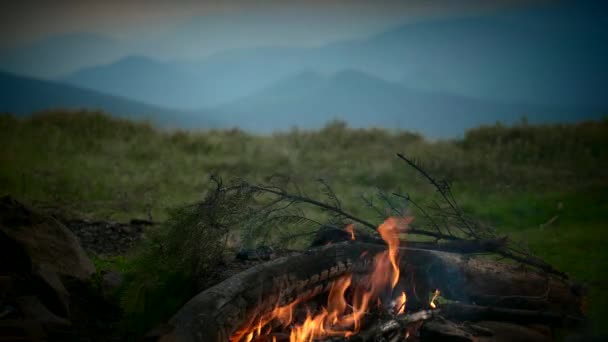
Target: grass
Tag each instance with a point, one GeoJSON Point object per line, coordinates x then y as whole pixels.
{"type": "Point", "coordinates": [513, 178]}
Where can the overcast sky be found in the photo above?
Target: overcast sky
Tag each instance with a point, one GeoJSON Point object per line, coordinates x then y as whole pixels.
{"type": "Point", "coordinates": [235, 23]}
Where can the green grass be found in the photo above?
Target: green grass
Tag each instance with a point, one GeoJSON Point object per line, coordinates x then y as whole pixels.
{"type": "Point", "coordinates": [512, 178]}
{"type": "Point", "coordinates": [575, 241]}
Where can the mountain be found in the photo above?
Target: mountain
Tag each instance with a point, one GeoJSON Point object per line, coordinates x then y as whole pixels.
{"type": "Point", "coordinates": [308, 100]}
{"type": "Point", "coordinates": [311, 99]}
{"type": "Point", "coordinates": [59, 55]}
{"type": "Point", "coordinates": [546, 55]}
{"type": "Point", "coordinates": [188, 85]}
{"type": "Point", "coordinates": [143, 79]}
{"type": "Point", "coordinates": [22, 95]}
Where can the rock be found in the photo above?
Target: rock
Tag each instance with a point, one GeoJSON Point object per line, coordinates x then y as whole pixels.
{"type": "Point", "coordinates": [110, 283]}
{"type": "Point", "coordinates": [13, 258]}
{"type": "Point", "coordinates": [6, 310]}
{"type": "Point", "coordinates": [21, 330]}
{"type": "Point", "coordinates": [8, 286]}
{"type": "Point", "coordinates": [52, 291]}
{"type": "Point", "coordinates": [44, 240]}
{"type": "Point", "coordinates": [106, 237]}
{"type": "Point", "coordinates": [32, 309]}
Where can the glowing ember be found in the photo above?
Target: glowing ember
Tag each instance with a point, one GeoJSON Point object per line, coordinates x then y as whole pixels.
{"type": "Point", "coordinates": [435, 295]}
{"type": "Point", "coordinates": [338, 318]}
{"type": "Point", "coordinates": [400, 305]}
{"type": "Point", "coordinates": [351, 229]}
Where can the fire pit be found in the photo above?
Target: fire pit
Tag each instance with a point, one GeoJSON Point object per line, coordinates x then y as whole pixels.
{"type": "Point", "coordinates": [373, 292]}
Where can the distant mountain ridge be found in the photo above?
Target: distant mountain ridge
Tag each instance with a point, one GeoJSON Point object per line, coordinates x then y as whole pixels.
{"type": "Point", "coordinates": [59, 55]}
{"type": "Point", "coordinates": [553, 58]}
{"type": "Point", "coordinates": [22, 95]}
{"type": "Point", "coordinates": [363, 100]}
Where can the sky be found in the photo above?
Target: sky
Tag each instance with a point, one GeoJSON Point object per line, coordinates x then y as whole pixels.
{"type": "Point", "coordinates": [221, 25]}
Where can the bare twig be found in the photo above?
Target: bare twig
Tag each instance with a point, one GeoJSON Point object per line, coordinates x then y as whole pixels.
{"type": "Point", "coordinates": [342, 212]}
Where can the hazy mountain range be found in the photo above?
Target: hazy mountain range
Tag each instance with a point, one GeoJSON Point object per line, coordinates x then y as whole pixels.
{"type": "Point", "coordinates": [437, 77]}
{"type": "Point", "coordinates": [501, 58]}
{"type": "Point", "coordinates": [21, 95]}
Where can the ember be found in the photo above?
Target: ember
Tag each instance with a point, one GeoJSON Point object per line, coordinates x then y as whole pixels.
{"type": "Point", "coordinates": [435, 295]}
{"type": "Point", "coordinates": [351, 229]}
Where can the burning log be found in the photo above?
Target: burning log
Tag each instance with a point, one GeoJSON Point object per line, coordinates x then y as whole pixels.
{"type": "Point", "coordinates": [395, 326]}
{"type": "Point", "coordinates": [487, 282]}
{"type": "Point", "coordinates": [215, 314]}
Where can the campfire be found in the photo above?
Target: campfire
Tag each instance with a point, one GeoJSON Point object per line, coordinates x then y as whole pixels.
{"type": "Point", "coordinates": [356, 291]}
{"type": "Point", "coordinates": [348, 300]}
{"type": "Point", "coordinates": [461, 282]}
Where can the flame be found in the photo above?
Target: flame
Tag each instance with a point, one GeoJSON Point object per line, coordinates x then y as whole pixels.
{"type": "Point", "coordinates": [351, 229]}
{"type": "Point", "coordinates": [400, 304]}
{"type": "Point", "coordinates": [389, 230]}
{"type": "Point", "coordinates": [435, 295]}
{"type": "Point", "coordinates": [338, 318]}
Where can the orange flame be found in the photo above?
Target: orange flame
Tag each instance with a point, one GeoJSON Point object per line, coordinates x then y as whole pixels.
{"type": "Point", "coordinates": [351, 229]}
{"type": "Point", "coordinates": [435, 295]}
{"type": "Point", "coordinates": [338, 318]}
{"type": "Point", "coordinates": [400, 304]}
{"type": "Point", "coordinates": [389, 230]}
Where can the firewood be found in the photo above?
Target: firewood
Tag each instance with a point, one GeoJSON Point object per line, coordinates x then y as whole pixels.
{"type": "Point", "coordinates": [467, 312]}
{"type": "Point", "coordinates": [442, 330]}
{"type": "Point", "coordinates": [484, 281]}
{"type": "Point", "coordinates": [216, 313]}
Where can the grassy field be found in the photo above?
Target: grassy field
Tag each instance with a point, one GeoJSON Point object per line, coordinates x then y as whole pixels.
{"type": "Point", "coordinates": [545, 185]}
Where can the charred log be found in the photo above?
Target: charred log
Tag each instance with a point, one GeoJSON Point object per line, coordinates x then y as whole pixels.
{"type": "Point", "coordinates": [467, 312]}
{"type": "Point", "coordinates": [329, 234]}
{"type": "Point", "coordinates": [484, 281]}
{"type": "Point", "coordinates": [215, 314]}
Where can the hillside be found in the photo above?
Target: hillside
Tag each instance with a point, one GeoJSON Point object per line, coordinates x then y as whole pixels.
{"type": "Point", "coordinates": [23, 95]}
{"type": "Point", "coordinates": [144, 79]}
{"type": "Point", "coordinates": [545, 184]}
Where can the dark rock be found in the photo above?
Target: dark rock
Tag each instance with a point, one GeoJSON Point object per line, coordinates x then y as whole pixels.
{"type": "Point", "coordinates": [21, 330]}
{"type": "Point", "coordinates": [32, 309]}
{"type": "Point", "coordinates": [106, 237]}
{"type": "Point", "coordinates": [6, 310]}
{"type": "Point", "coordinates": [8, 286]}
{"type": "Point", "coordinates": [43, 239]}
{"type": "Point", "coordinates": [45, 288]}
{"type": "Point", "coordinates": [110, 283]}
{"type": "Point", "coordinates": [13, 257]}
{"type": "Point", "coordinates": [51, 290]}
